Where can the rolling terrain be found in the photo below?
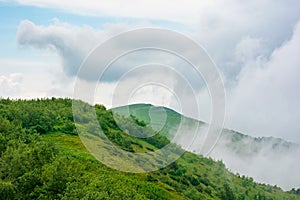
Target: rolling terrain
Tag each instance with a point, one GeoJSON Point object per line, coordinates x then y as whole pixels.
{"type": "Point", "coordinates": [42, 157]}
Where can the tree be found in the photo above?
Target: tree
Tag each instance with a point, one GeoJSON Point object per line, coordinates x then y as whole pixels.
{"type": "Point", "coordinates": [7, 190]}
{"type": "Point", "coordinates": [226, 193]}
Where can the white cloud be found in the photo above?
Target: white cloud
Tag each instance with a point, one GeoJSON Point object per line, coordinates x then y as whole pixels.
{"type": "Point", "coordinates": [73, 44]}
{"type": "Point", "coordinates": [70, 42]}
{"type": "Point", "coordinates": [219, 26]}
{"type": "Point", "coordinates": [27, 79]}
{"type": "Point", "coordinates": [136, 89]}
{"type": "Point", "coordinates": [223, 25]}
{"type": "Point", "coordinates": [266, 100]}
{"type": "Point", "coordinates": [267, 160]}
{"type": "Point", "coordinates": [168, 10]}
{"type": "Point", "coordinates": [249, 49]}
{"type": "Point", "coordinates": [25, 64]}
{"type": "Point", "coordinates": [10, 84]}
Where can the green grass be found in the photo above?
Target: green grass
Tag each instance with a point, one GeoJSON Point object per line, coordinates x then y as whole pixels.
{"type": "Point", "coordinates": [161, 119]}
{"type": "Point", "coordinates": [42, 158]}
{"type": "Point", "coordinates": [211, 175]}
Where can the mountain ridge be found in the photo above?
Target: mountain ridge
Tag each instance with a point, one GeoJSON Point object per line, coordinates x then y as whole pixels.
{"type": "Point", "coordinates": [135, 113]}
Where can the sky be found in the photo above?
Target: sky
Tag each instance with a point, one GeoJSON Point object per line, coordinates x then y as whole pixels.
{"type": "Point", "coordinates": [255, 46]}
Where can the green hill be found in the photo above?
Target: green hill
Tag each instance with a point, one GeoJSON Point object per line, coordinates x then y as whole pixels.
{"type": "Point", "coordinates": [159, 118]}
{"type": "Point", "coordinates": [241, 153]}
{"type": "Point", "coordinates": [167, 121]}
{"type": "Point", "coordinates": [42, 157]}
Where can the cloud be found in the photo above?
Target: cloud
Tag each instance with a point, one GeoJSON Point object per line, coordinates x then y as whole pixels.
{"type": "Point", "coordinates": [136, 89]}
{"type": "Point", "coordinates": [266, 100]}
{"type": "Point", "coordinates": [27, 79]}
{"type": "Point", "coordinates": [267, 160]}
{"type": "Point", "coordinates": [248, 49]}
{"type": "Point", "coordinates": [73, 44]}
{"type": "Point", "coordinates": [169, 10]}
{"type": "Point", "coordinates": [217, 25]}
{"type": "Point", "coordinates": [10, 84]}
{"type": "Point", "coordinates": [221, 26]}
{"type": "Point", "coordinates": [229, 17]}
{"type": "Point", "coordinates": [70, 42]}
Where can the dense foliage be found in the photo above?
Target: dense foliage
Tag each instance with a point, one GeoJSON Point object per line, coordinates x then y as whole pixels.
{"type": "Point", "coordinates": [41, 157]}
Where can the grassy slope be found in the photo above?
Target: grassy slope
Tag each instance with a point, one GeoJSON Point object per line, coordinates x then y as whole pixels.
{"type": "Point", "coordinates": [190, 177]}
{"type": "Point", "coordinates": [72, 145]}
{"type": "Point", "coordinates": [209, 175]}
{"type": "Point", "coordinates": [174, 118]}
{"type": "Point", "coordinates": [161, 119]}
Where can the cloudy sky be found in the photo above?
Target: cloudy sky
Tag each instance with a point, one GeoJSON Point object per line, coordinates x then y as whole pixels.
{"type": "Point", "coordinates": [255, 45]}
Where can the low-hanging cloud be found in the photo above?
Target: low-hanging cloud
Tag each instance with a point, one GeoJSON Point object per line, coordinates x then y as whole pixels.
{"type": "Point", "coordinates": [266, 97]}
{"type": "Point", "coordinates": [267, 160]}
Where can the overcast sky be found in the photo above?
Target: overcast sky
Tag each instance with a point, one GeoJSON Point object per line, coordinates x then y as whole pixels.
{"type": "Point", "coordinates": [255, 45]}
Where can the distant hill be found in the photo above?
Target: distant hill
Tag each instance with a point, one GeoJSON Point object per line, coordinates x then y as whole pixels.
{"type": "Point", "coordinates": [166, 120]}
{"type": "Point", "coordinates": [241, 153]}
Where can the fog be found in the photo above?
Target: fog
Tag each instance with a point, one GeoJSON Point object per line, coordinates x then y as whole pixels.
{"type": "Point", "coordinates": [266, 159]}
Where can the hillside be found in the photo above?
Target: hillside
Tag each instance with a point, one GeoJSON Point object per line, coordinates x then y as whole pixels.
{"type": "Point", "coordinates": [251, 156]}
{"type": "Point", "coordinates": [42, 157]}
{"type": "Point", "coordinates": [166, 120]}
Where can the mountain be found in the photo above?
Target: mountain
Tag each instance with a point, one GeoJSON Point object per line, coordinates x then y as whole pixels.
{"type": "Point", "coordinates": [251, 156]}
{"type": "Point", "coordinates": [43, 157]}
{"type": "Point", "coordinates": [166, 120]}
